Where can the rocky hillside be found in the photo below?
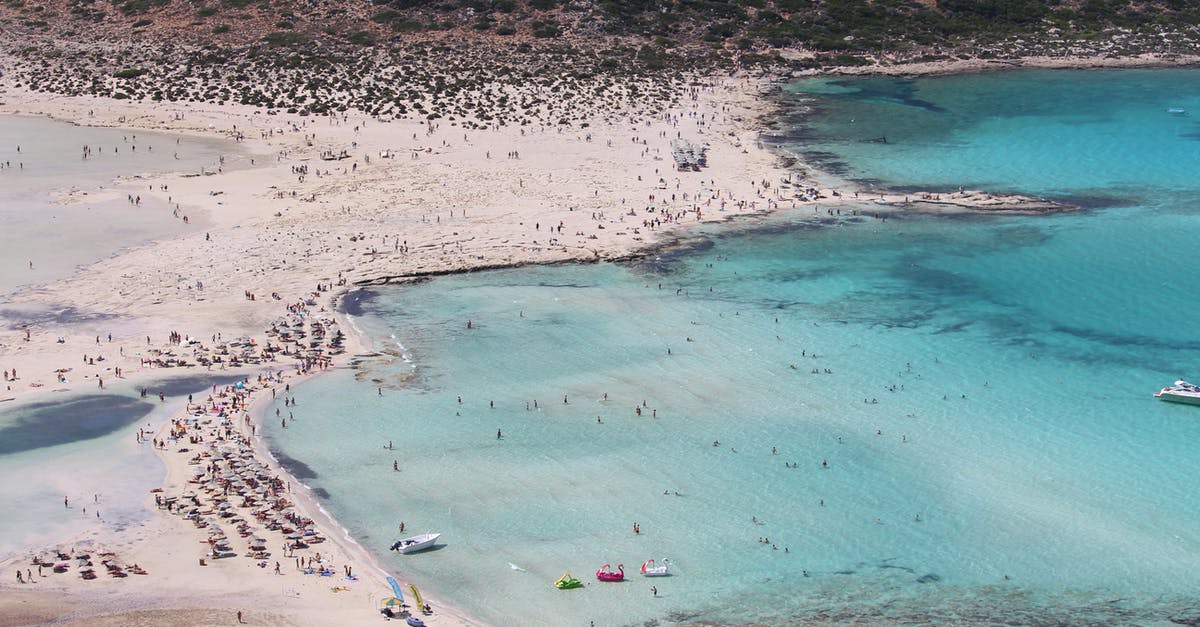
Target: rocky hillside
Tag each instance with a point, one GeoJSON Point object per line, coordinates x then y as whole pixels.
{"type": "Point", "coordinates": [836, 31]}
{"type": "Point", "coordinates": [488, 62]}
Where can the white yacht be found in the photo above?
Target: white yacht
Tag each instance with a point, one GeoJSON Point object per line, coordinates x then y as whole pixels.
{"type": "Point", "coordinates": [415, 543]}
{"type": "Point", "coordinates": [1181, 392]}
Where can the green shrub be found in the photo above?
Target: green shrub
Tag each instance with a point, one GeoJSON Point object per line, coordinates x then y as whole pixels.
{"type": "Point", "coordinates": [409, 26]}
{"type": "Point", "coordinates": [132, 7]}
{"type": "Point", "coordinates": [545, 30]}
{"type": "Point", "coordinates": [285, 38]}
{"type": "Point", "coordinates": [385, 16]}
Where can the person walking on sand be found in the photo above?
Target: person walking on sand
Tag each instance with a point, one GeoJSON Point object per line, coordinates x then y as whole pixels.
{"type": "Point", "coordinates": [239, 615]}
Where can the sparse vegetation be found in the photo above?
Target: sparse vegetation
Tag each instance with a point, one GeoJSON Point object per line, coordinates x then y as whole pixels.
{"type": "Point", "coordinates": [833, 29]}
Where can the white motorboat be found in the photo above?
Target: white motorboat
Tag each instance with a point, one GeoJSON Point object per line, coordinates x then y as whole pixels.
{"type": "Point", "coordinates": [660, 569]}
{"type": "Point", "coordinates": [415, 543]}
{"type": "Point", "coordinates": [1181, 392]}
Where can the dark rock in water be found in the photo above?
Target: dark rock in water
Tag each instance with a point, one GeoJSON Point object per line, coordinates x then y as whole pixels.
{"type": "Point", "coordinates": [930, 578]}
{"type": "Point", "coordinates": [682, 616]}
{"type": "Point", "coordinates": [297, 468]}
{"type": "Point", "coordinates": [356, 302]}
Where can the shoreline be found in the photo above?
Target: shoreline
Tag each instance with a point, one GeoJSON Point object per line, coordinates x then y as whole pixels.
{"type": "Point", "coordinates": [946, 67]}
{"type": "Point", "coordinates": [244, 317]}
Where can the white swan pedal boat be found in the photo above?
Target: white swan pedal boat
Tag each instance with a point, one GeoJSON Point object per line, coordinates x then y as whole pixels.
{"type": "Point", "coordinates": [650, 568]}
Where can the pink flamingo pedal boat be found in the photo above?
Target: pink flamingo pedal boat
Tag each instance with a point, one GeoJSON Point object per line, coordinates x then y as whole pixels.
{"type": "Point", "coordinates": [604, 574]}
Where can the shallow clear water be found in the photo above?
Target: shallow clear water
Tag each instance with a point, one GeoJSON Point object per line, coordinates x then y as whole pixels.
{"type": "Point", "coordinates": [43, 157]}
{"type": "Point", "coordinates": [993, 375]}
{"type": "Point", "coordinates": [1101, 133]}
{"type": "Point", "coordinates": [83, 446]}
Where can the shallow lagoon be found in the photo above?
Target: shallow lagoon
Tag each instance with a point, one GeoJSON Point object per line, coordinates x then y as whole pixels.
{"type": "Point", "coordinates": [59, 237]}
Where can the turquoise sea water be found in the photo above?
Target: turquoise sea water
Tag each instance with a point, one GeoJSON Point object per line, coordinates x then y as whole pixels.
{"type": "Point", "coordinates": [991, 375]}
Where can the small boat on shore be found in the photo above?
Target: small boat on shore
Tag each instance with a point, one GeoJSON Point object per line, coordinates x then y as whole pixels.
{"type": "Point", "coordinates": [415, 543]}
{"type": "Point", "coordinates": [659, 569]}
{"type": "Point", "coordinates": [1181, 392]}
{"type": "Point", "coordinates": [605, 574]}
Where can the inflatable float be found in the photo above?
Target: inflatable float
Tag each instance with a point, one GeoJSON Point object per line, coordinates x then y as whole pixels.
{"type": "Point", "coordinates": [604, 574]}
{"type": "Point", "coordinates": [567, 582]}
